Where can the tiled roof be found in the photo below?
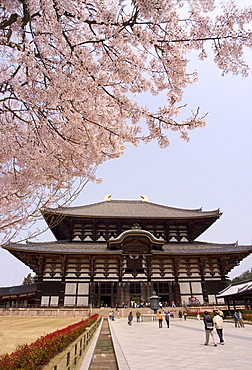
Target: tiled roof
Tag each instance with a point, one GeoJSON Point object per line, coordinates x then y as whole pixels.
{"type": "Point", "coordinates": [89, 248]}
{"type": "Point", "coordinates": [19, 289]}
{"type": "Point", "coordinates": [234, 289]}
{"type": "Point", "coordinates": [205, 247]}
{"type": "Point", "coordinates": [132, 209]}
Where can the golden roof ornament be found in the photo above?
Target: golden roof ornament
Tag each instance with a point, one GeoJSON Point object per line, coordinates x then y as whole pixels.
{"type": "Point", "coordinates": [144, 198]}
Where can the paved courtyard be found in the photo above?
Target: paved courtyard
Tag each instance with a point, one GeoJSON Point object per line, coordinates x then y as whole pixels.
{"type": "Point", "coordinates": [145, 346]}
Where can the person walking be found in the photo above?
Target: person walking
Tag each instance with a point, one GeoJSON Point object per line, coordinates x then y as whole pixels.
{"type": "Point", "coordinates": [209, 328]}
{"type": "Point", "coordinates": [167, 319]}
{"type": "Point", "coordinates": [240, 320]}
{"type": "Point", "coordinates": [235, 316]}
{"type": "Point", "coordinates": [185, 315]}
{"type": "Point", "coordinates": [138, 316]}
{"type": "Point", "coordinates": [130, 318]}
{"type": "Point", "coordinates": [160, 319]}
{"type": "Point", "coordinates": [218, 324]}
{"type": "Point", "coordinates": [180, 315]}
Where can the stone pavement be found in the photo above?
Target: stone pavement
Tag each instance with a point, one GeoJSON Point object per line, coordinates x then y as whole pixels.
{"type": "Point", "coordinates": [145, 346]}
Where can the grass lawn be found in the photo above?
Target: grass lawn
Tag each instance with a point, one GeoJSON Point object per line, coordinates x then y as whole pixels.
{"type": "Point", "coordinates": [20, 330]}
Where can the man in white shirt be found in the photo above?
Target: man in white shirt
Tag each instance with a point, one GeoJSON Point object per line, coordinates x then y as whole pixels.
{"type": "Point", "coordinates": [218, 324]}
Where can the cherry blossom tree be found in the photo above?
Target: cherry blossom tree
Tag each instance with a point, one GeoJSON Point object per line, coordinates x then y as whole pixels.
{"type": "Point", "coordinates": [71, 74]}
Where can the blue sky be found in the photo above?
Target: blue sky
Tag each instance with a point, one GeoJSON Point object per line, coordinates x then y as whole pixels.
{"type": "Point", "coordinates": [213, 170]}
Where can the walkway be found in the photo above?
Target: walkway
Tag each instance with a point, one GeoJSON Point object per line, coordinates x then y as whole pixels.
{"type": "Point", "coordinates": [144, 346]}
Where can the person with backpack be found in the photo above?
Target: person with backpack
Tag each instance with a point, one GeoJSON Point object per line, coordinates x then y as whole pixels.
{"type": "Point", "coordinates": [209, 329]}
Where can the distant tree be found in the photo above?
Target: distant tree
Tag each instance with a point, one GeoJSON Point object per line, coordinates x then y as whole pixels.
{"type": "Point", "coordinates": [71, 73]}
{"type": "Point", "coordinates": [246, 275]}
{"type": "Point", "coordinates": [29, 279]}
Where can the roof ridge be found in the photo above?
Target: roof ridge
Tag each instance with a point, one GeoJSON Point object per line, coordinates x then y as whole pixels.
{"type": "Point", "coordinates": [135, 201]}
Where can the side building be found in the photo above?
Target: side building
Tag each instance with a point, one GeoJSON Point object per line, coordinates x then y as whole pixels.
{"type": "Point", "coordinates": [111, 252]}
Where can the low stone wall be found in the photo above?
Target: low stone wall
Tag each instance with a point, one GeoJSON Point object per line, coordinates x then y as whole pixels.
{"type": "Point", "coordinates": [46, 312]}
{"type": "Point", "coordinates": [104, 311]}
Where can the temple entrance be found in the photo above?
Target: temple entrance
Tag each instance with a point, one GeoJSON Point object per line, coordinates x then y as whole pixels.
{"type": "Point", "coordinates": [163, 291]}
{"type": "Point", "coordinates": [105, 301]}
{"type": "Point", "coordinates": [164, 299]}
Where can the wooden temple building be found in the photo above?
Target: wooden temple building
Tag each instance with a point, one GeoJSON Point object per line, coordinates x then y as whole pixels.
{"type": "Point", "coordinates": [110, 252]}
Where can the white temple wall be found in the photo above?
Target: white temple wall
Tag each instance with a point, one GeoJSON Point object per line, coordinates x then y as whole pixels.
{"type": "Point", "coordinates": [54, 301]}
{"type": "Point", "coordinates": [185, 288]}
{"type": "Point", "coordinates": [211, 299]}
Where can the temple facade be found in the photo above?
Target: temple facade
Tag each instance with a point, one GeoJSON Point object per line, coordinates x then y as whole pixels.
{"type": "Point", "coordinates": [115, 251]}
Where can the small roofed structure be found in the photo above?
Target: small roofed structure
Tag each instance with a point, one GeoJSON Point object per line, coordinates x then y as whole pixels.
{"type": "Point", "coordinates": [238, 293]}
{"type": "Point", "coordinates": [18, 296]}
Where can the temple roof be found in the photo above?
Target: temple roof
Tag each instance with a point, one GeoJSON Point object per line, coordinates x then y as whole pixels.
{"type": "Point", "coordinates": [18, 289]}
{"type": "Point", "coordinates": [61, 247]}
{"type": "Point", "coordinates": [236, 289]}
{"type": "Point", "coordinates": [130, 209]}
{"type": "Point", "coordinates": [63, 220]}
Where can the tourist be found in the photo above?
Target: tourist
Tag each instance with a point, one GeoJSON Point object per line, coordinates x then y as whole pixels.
{"type": "Point", "coordinates": [167, 318]}
{"type": "Point", "coordinates": [160, 319]}
{"type": "Point", "coordinates": [240, 320]}
{"type": "Point", "coordinates": [112, 316]}
{"type": "Point", "coordinates": [180, 315]}
{"type": "Point", "coordinates": [198, 315]}
{"type": "Point", "coordinates": [130, 318]}
{"type": "Point", "coordinates": [218, 324]}
{"type": "Point", "coordinates": [185, 315]}
{"type": "Point", "coordinates": [138, 316]}
{"type": "Point", "coordinates": [209, 328]}
{"type": "Point", "coordinates": [235, 316]}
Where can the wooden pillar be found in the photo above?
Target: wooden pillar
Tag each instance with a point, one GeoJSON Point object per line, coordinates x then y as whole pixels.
{"type": "Point", "coordinates": [176, 288]}
{"type": "Point", "coordinates": [62, 283]}
{"type": "Point", "coordinates": [112, 295]}
{"type": "Point", "coordinates": [120, 295]}
{"type": "Point", "coordinates": [126, 292]}
{"type": "Point", "coordinates": [202, 264]}
{"type": "Point", "coordinates": [39, 281]}
{"type": "Point", "coordinates": [171, 295]}
{"type": "Point", "coordinates": [143, 291]}
{"type": "Point", "coordinates": [228, 304]}
{"type": "Point", "coordinates": [148, 291]}
{"type": "Point", "coordinates": [92, 294]}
